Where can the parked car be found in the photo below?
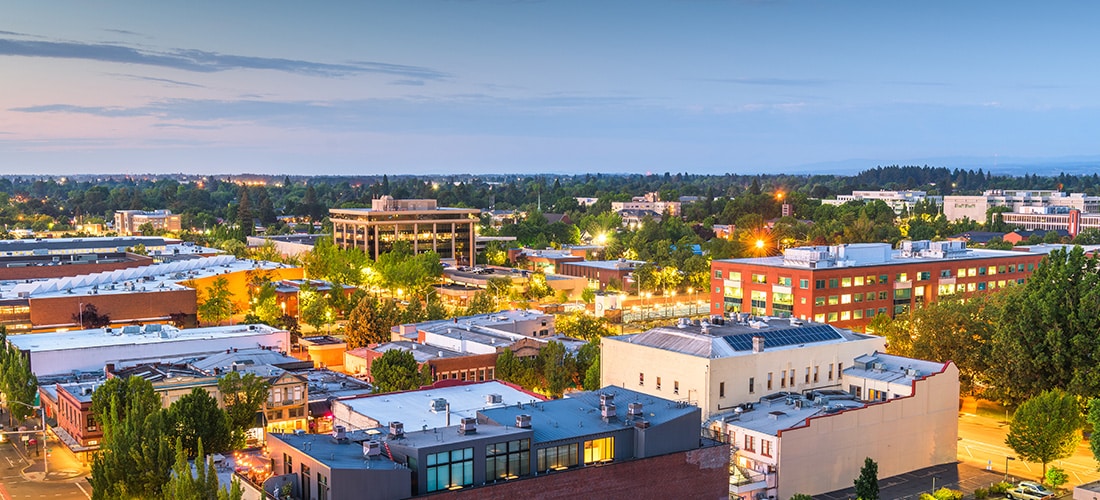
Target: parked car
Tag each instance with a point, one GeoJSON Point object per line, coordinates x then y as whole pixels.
{"type": "Point", "coordinates": [1028, 490]}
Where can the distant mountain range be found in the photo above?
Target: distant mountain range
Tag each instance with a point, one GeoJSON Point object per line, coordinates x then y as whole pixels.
{"type": "Point", "coordinates": [998, 165]}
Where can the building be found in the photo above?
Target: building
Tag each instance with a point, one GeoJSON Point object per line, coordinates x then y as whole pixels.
{"type": "Point", "coordinates": [848, 285]}
{"type": "Point", "coordinates": [651, 202]}
{"type": "Point", "coordinates": [498, 328]}
{"type": "Point", "coordinates": [900, 201]}
{"type": "Point", "coordinates": [718, 366]}
{"type": "Point", "coordinates": [602, 272]}
{"type": "Point", "coordinates": [886, 404]}
{"type": "Point", "coordinates": [129, 222]}
{"type": "Point", "coordinates": [425, 226]}
{"type": "Point", "coordinates": [1071, 221]}
{"type": "Point", "coordinates": [325, 351]}
{"type": "Point", "coordinates": [72, 408]}
{"type": "Point", "coordinates": [64, 247]}
{"type": "Point", "coordinates": [429, 408]}
{"type": "Point", "coordinates": [91, 350]}
{"type": "Point", "coordinates": [288, 245]}
{"type": "Point", "coordinates": [975, 207]}
{"type": "Point", "coordinates": [613, 444]}
{"type": "Point", "coordinates": [1017, 237]}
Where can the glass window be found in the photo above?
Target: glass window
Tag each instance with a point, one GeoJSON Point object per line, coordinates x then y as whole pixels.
{"type": "Point", "coordinates": [803, 284]}
{"type": "Point", "coordinates": [883, 279]}
{"type": "Point", "coordinates": [924, 276]}
{"type": "Point", "coordinates": [735, 276]}
{"type": "Point", "coordinates": [882, 295]}
{"type": "Point", "coordinates": [834, 300]}
{"type": "Point", "coordinates": [718, 273]}
{"type": "Point", "coordinates": [857, 314]}
{"type": "Point", "coordinates": [833, 282]}
{"type": "Point", "coordinates": [846, 282]}
{"type": "Point", "coordinates": [973, 271]}
{"type": "Point", "coordinates": [721, 389]}
{"type": "Point", "coordinates": [846, 298]}
{"type": "Point", "coordinates": [901, 277]}
{"type": "Point", "coordinates": [857, 281]}
{"type": "Point", "coordinates": [759, 278]}
{"type": "Point", "coordinates": [750, 443]}
{"type": "Point", "coordinates": [759, 302]}
{"type": "Point", "coordinates": [832, 317]}
{"type": "Point", "coordinates": [981, 271]}
{"type": "Point", "coordinates": [857, 298]}
{"type": "Point", "coordinates": [450, 469]}
{"type": "Point", "coordinates": [819, 301]}
{"type": "Point", "coordinates": [819, 318]}
{"type": "Point", "coordinates": [783, 378]}
{"type": "Point", "coordinates": [870, 280]}
{"type": "Point", "coordinates": [870, 296]}
{"type": "Point", "coordinates": [765, 447]}
{"type": "Point", "coordinates": [507, 460]}
{"type": "Point", "coordinates": [945, 273]}
{"type": "Point", "coordinates": [784, 281]}
{"type": "Point", "coordinates": [819, 284]}
{"type": "Point", "coordinates": [870, 313]}
{"type": "Point", "coordinates": [1012, 268]}
{"type": "Point", "coordinates": [769, 381]}
{"type": "Point", "coordinates": [599, 450]}
{"type": "Point", "coordinates": [557, 457]}
{"type": "Point", "coordinates": [752, 385]}
{"type": "Point", "coordinates": [845, 315]}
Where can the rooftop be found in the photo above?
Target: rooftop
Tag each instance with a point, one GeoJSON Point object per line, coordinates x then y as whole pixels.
{"type": "Point", "coordinates": [325, 384]}
{"type": "Point", "coordinates": [872, 254]}
{"type": "Point", "coordinates": [735, 338]}
{"type": "Point", "coordinates": [422, 353]}
{"type": "Point", "coordinates": [414, 408]}
{"type": "Point", "coordinates": [349, 455]}
{"type": "Point", "coordinates": [616, 265]}
{"type": "Point", "coordinates": [891, 368]}
{"type": "Point", "coordinates": [578, 414]}
{"type": "Point", "coordinates": [129, 335]}
{"type": "Point", "coordinates": [224, 361]}
{"type": "Point", "coordinates": [10, 247]}
{"type": "Point", "coordinates": [81, 391]}
{"type": "Point", "coordinates": [446, 435]}
{"type": "Point", "coordinates": [778, 412]}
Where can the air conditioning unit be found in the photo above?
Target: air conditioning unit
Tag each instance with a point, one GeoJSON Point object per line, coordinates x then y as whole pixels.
{"type": "Point", "coordinates": [634, 409]}
{"type": "Point", "coordinates": [493, 399]}
{"type": "Point", "coordinates": [523, 421]}
{"type": "Point", "coordinates": [608, 410]}
{"type": "Point", "coordinates": [607, 399]}
{"type": "Point", "coordinates": [372, 449]}
{"type": "Point", "coordinates": [397, 429]}
{"type": "Point", "coordinates": [438, 405]}
{"type": "Point", "coordinates": [467, 426]}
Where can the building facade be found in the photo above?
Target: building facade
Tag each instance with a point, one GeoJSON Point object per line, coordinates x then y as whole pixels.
{"type": "Point", "coordinates": [975, 207]}
{"type": "Point", "coordinates": [421, 223]}
{"type": "Point", "coordinates": [898, 200]}
{"type": "Point", "coordinates": [848, 285]}
{"type": "Point", "coordinates": [129, 222]}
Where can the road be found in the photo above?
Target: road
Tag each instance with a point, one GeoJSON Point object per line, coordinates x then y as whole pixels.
{"type": "Point", "coordinates": [14, 487]}
{"type": "Point", "coordinates": [982, 444]}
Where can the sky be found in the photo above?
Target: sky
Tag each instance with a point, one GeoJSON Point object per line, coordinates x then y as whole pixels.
{"type": "Point", "coordinates": [556, 86]}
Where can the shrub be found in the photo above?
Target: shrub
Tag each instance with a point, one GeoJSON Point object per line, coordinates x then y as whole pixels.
{"type": "Point", "coordinates": [999, 488]}
{"type": "Point", "coordinates": [981, 494]}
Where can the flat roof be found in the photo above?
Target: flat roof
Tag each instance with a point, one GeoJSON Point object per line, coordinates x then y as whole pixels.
{"type": "Point", "coordinates": [615, 265]}
{"type": "Point", "coordinates": [76, 390]}
{"type": "Point", "coordinates": [448, 435]}
{"type": "Point", "coordinates": [893, 369]}
{"type": "Point", "coordinates": [735, 338]}
{"type": "Point", "coordinates": [578, 414]}
{"type": "Point", "coordinates": [422, 353]}
{"type": "Point", "coordinates": [349, 455]}
{"type": "Point", "coordinates": [895, 258]}
{"type": "Point", "coordinates": [775, 417]}
{"type": "Point", "coordinates": [83, 339]}
{"type": "Point", "coordinates": [325, 384]}
{"type": "Point", "coordinates": [413, 408]}
{"type": "Point", "coordinates": [224, 361]}
{"type": "Point", "coordinates": [27, 245]}
{"type": "Point", "coordinates": [152, 278]}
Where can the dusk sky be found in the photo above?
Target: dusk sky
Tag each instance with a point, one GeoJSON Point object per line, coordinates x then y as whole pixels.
{"type": "Point", "coordinates": [433, 86]}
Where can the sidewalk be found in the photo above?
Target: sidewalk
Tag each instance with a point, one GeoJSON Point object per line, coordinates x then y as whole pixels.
{"type": "Point", "coordinates": [63, 465]}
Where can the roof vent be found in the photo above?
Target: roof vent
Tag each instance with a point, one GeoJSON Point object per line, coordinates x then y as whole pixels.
{"type": "Point", "coordinates": [607, 399]}
{"type": "Point", "coordinates": [438, 405]}
{"type": "Point", "coordinates": [467, 426]}
{"type": "Point", "coordinates": [523, 421]}
{"type": "Point", "coordinates": [493, 399]}
{"type": "Point", "coordinates": [397, 429]}
{"type": "Point", "coordinates": [774, 415]}
{"type": "Point", "coordinates": [634, 409]}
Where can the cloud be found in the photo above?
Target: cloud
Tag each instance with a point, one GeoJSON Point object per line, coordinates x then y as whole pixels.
{"type": "Point", "coordinates": [176, 83]}
{"type": "Point", "coordinates": [918, 83]}
{"type": "Point", "coordinates": [767, 81]}
{"type": "Point", "coordinates": [106, 111]}
{"type": "Point", "coordinates": [204, 61]}
{"type": "Point", "coordinates": [407, 82]}
{"type": "Point", "coordinates": [125, 32]}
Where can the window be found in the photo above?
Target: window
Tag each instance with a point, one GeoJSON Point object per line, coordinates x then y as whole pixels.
{"type": "Point", "coordinates": [676, 387]}
{"type": "Point", "coordinates": [305, 476]}
{"type": "Point", "coordinates": [807, 375]}
{"type": "Point", "coordinates": [557, 457]}
{"type": "Point", "coordinates": [759, 278]}
{"type": "Point", "coordinates": [766, 447]}
{"type": "Point", "coordinates": [846, 298]}
{"type": "Point", "coordinates": [857, 298]}
{"type": "Point", "coordinates": [924, 276]}
{"type": "Point", "coordinates": [981, 271]}
{"type": "Point", "coordinates": [769, 381]}
{"type": "Point", "coordinates": [819, 318]}
{"type": "Point", "coordinates": [834, 300]}
{"type": "Point", "coordinates": [658, 383]}
{"type": "Point", "coordinates": [599, 450]}
{"type": "Point", "coordinates": [1030, 267]}
{"type": "Point", "coordinates": [945, 273]}
{"type": "Point", "coordinates": [322, 487]}
{"type": "Point", "coordinates": [507, 460]}
{"type": "Point", "coordinates": [871, 280]}
{"type": "Point", "coordinates": [803, 284]}
{"type": "Point", "coordinates": [845, 315]}
{"type": "Point", "coordinates": [961, 272]}
{"type": "Point", "coordinates": [832, 317]}
{"type": "Point", "coordinates": [846, 282]}
{"type": "Point", "coordinates": [792, 377]}
{"type": "Point", "coordinates": [882, 295]}
{"type": "Point", "coordinates": [783, 378]}
{"type": "Point", "coordinates": [759, 303]}
{"type": "Point", "coordinates": [901, 277]}
{"type": "Point", "coordinates": [721, 389]}
{"type": "Point", "coordinates": [752, 385]}
{"type": "Point", "coordinates": [816, 370]}
{"type": "Point", "coordinates": [973, 271]}
{"type": "Point", "coordinates": [839, 370]}
{"type": "Point", "coordinates": [450, 469]}
{"type": "Point", "coordinates": [784, 281]}
{"type": "Point", "coordinates": [1012, 268]}
{"type": "Point", "coordinates": [857, 281]}
{"type": "Point", "coordinates": [750, 443]}
{"type": "Point", "coordinates": [641, 379]}
{"type": "Point", "coordinates": [735, 276]}
{"type": "Point", "coordinates": [870, 296]}
{"type": "Point", "coordinates": [830, 371]}
{"type": "Point", "coordinates": [819, 284]}
{"type": "Point", "coordinates": [833, 283]}
{"type": "Point", "coordinates": [993, 270]}
{"type": "Point", "coordinates": [857, 314]}
{"type": "Point", "coordinates": [718, 273]}
{"type": "Point", "coordinates": [819, 301]}
{"type": "Point", "coordinates": [883, 279]}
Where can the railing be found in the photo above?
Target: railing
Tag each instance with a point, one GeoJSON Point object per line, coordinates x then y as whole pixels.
{"type": "Point", "coordinates": [740, 476]}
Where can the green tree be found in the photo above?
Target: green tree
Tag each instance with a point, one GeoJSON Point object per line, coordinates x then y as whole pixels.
{"type": "Point", "coordinates": [481, 303]}
{"type": "Point", "coordinates": [592, 376]}
{"type": "Point", "coordinates": [216, 304]}
{"type": "Point", "coordinates": [89, 317]}
{"type": "Point", "coordinates": [397, 370]}
{"type": "Point", "coordinates": [243, 396]}
{"type": "Point", "coordinates": [1056, 477]}
{"type": "Point", "coordinates": [135, 459]}
{"type": "Point", "coordinates": [1046, 427]}
{"type": "Point", "coordinates": [371, 321]}
{"type": "Point", "coordinates": [581, 325]}
{"type": "Point", "coordinates": [17, 382]}
{"type": "Point", "coordinates": [588, 295]}
{"type": "Point", "coordinates": [313, 306]}
{"type": "Point", "coordinates": [195, 417]}
{"type": "Point", "coordinates": [202, 484]}
{"type": "Point", "coordinates": [1093, 419]}
{"type": "Point", "coordinates": [867, 482]}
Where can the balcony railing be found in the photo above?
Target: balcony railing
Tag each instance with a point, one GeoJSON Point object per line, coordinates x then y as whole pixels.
{"type": "Point", "coordinates": [744, 480]}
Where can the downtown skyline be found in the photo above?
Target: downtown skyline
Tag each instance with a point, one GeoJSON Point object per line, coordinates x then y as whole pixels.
{"type": "Point", "coordinates": [351, 88]}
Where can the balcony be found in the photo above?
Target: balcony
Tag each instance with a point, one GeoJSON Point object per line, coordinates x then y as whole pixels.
{"type": "Point", "coordinates": [744, 480]}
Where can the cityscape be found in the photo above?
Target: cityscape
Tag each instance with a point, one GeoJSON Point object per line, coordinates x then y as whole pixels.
{"type": "Point", "coordinates": [711, 250]}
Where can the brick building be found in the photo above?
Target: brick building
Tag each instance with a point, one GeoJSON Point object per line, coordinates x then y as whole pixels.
{"type": "Point", "coordinates": [602, 272]}
{"type": "Point", "coordinates": [848, 285]}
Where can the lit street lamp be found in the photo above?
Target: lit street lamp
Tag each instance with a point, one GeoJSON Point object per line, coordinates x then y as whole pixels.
{"type": "Point", "coordinates": [1006, 466]}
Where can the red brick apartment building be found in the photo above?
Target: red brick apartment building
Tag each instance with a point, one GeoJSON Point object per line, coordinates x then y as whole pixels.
{"type": "Point", "coordinates": [848, 285]}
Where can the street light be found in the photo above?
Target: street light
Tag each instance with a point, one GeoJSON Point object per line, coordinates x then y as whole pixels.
{"type": "Point", "coordinates": [1006, 466]}
{"type": "Point", "coordinates": [45, 461]}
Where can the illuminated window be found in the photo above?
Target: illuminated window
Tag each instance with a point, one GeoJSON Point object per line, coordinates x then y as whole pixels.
{"type": "Point", "coordinates": [845, 315]}
{"type": "Point", "coordinates": [759, 278]}
{"type": "Point", "coordinates": [857, 314]}
{"type": "Point", "coordinates": [507, 460]}
{"type": "Point", "coordinates": [846, 282]}
{"type": "Point", "coordinates": [846, 298]}
{"type": "Point", "coordinates": [834, 300]}
{"type": "Point", "coordinates": [832, 317]}
{"type": "Point", "coordinates": [450, 469]}
{"type": "Point", "coordinates": [973, 271]}
{"type": "Point", "coordinates": [557, 457]}
{"type": "Point", "coordinates": [819, 318]}
{"type": "Point", "coordinates": [858, 281]}
{"type": "Point", "coordinates": [784, 281]}
{"type": "Point", "coordinates": [599, 450]}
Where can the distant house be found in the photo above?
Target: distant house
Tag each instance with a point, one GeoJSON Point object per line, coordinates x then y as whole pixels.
{"type": "Point", "coordinates": [977, 237]}
{"type": "Point", "coordinates": [1019, 236]}
{"type": "Point", "coordinates": [563, 218]}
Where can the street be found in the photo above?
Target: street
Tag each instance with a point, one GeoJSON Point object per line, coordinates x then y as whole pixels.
{"type": "Point", "coordinates": [982, 444]}
{"type": "Point", "coordinates": [65, 483]}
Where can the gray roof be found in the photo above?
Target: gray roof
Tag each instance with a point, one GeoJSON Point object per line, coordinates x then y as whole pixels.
{"type": "Point", "coordinates": [324, 449]}
{"type": "Point", "coordinates": [893, 369]}
{"type": "Point", "coordinates": [770, 419]}
{"type": "Point", "coordinates": [413, 408]}
{"type": "Point", "coordinates": [77, 243]}
{"type": "Point", "coordinates": [720, 341]}
{"type": "Point", "coordinates": [578, 414]}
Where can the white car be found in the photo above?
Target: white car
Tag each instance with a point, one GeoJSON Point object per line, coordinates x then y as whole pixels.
{"type": "Point", "coordinates": [1028, 490]}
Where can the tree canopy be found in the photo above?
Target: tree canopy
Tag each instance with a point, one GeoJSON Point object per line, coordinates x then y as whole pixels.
{"type": "Point", "coordinates": [1046, 427]}
{"type": "Point", "coordinates": [397, 370]}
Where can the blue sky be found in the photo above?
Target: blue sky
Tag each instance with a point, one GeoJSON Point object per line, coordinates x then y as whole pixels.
{"type": "Point", "coordinates": [433, 86]}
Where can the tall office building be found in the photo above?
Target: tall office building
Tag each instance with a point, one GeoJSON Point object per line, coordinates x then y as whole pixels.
{"type": "Point", "coordinates": [424, 225]}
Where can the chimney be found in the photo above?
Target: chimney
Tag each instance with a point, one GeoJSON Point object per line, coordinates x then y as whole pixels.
{"type": "Point", "coordinates": [758, 343]}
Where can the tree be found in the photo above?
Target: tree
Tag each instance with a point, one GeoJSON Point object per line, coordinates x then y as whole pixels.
{"type": "Point", "coordinates": [581, 325]}
{"type": "Point", "coordinates": [89, 317]}
{"type": "Point", "coordinates": [195, 417]}
{"type": "Point", "coordinates": [200, 485]}
{"type": "Point", "coordinates": [801, 496]}
{"type": "Point", "coordinates": [397, 370]}
{"type": "Point", "coordinates": [1046, 427]}
{"type": "Point", "coordinates": [588, 295]}
{"type": "Point", "coordinates": [216, 304]}
{"type": "Point", "coordinates": [1056, 477]}
{"type": "Point", "coordinates": [867, 482]}
{"type": "Point", "coordinates": [243, 396]}
{"type": "Point", "coordinates": [313, 306]}
{"type": "Point", "coordinates": [481, 303]}
{"type": "Point", "coordinates": [370, 322]}
{"type": "Point", "coordinates": [592, 376]}
{"type": "Point", "coordinates": [19, 384]}
{"type": "Point", "coordinates": [1093, 419]}
{"type": "Point", "coordinates": [135, 459]}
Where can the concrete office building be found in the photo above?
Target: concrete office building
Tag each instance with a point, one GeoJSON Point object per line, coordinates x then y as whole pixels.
{"type": "Point", "coordinates": [975, 207]}
{"type": "Point", "coordinates": [900, 412]}
{"type": "Point", "coordinates": [720, 366]}
{"type": "Point", "coordinates": [848, 285]}
{"type": "Point", "coordinates": [897, 200]}
{"type": "Point", "coordinates": [129, 222]}
{"type": "Point", "coordinates": [424, 225]}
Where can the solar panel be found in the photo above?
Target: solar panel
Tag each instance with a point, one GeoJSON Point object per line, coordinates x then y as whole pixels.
{"type": "Point", "coordinates": [785, 337]}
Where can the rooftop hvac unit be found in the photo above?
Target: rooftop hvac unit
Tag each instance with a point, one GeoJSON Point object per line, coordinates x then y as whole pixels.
{"type": "Point", "coordinates": [339, 434]}
{"type": "Point", "coordinates": [493, 399]}
{"type": "Point", "coordinates": [523, 421]}
{"type": "Point", "coordinates": [798, 403]}
{"type": "Point", "coordinates": [607, 399]}
{"type": "Point", "coordinates": [397, 429]}
{"type": "Point", "coordinates": [634, 409]}
{"type": "Point", "coordinates": [372, 449]}
{"type": "Point", "coordinates": [467, 426]}
{"type": "Point", "coordinates": [912, 372]}
{"type": "Point", "coordinates": [608, 410]}
{"type": "Point", "coordinates": [878, 367]}
{"type": "Point", "coordinates": [438, 405]}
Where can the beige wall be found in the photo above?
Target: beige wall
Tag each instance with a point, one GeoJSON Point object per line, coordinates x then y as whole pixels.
{"type": "Point", "coordinates": [701, 378]}
{"type": "Point", "coordinates": [901, 435]}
